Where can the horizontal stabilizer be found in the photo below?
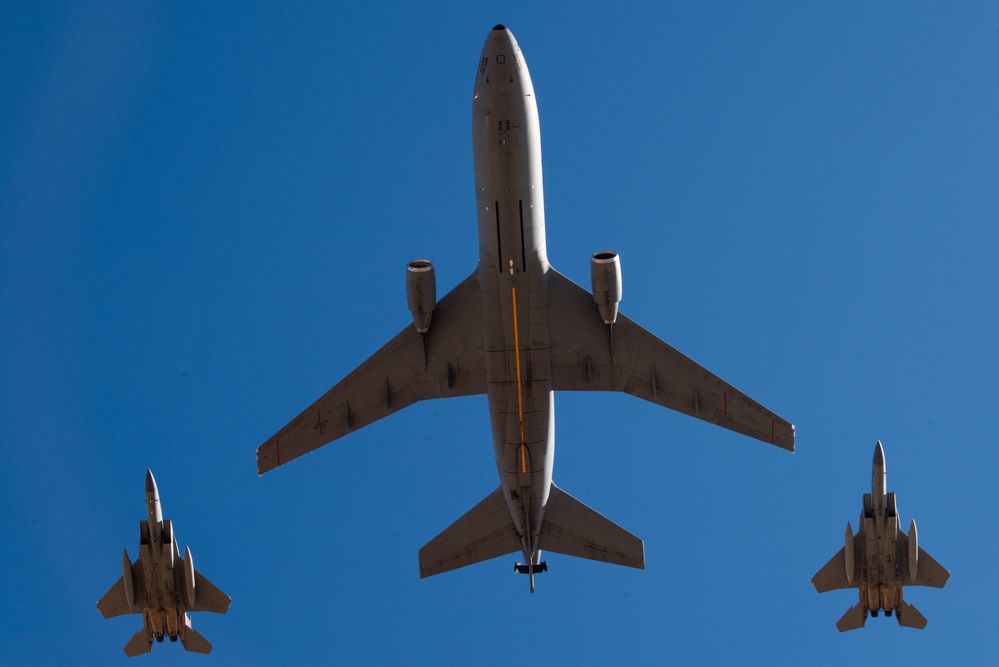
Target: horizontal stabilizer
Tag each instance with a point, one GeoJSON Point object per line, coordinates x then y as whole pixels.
{"type": "Point", "coordinates": [854, 618]}
{"type": "Point", "coordinates": [909, 617]}
{"type": "Point", "coordinates": [138, 644]}
{"type": "Point", "coordinates": [485, 531]}
{"type": "Point", "coordinates": [573, 529]}
{"type": "Point", "coordinates": [193, 640]}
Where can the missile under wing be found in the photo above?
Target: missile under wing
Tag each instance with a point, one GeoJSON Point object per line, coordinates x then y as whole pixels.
{"type": "Point", "coordinates": [880, 560]}
{"type": "Point", "coordinates": [161, 586]}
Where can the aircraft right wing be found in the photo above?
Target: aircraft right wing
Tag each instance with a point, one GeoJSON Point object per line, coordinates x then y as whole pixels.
{"type": "Point", "coordinates": [448, 361]}
{"type": "Point", "coordinates": [832, 576]}
{"type": "Point", "coordinates": [641, 364]}
{"type": "Point", "coordinates": [114, 603]}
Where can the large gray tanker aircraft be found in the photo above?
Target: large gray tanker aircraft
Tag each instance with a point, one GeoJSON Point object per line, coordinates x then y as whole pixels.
{"type": "Point", "coordinates": [880, 560]}
{"type": "Point", "coordinates": [161, 586]}
{"type": "Point", "coordinates": [517, 330]}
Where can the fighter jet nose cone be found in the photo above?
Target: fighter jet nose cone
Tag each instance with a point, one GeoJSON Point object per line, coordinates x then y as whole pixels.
{"type": "Point", "coordinates": [150, 482]}
{"type": "Point", "coordinates": [879, 453]}
{"type": "Point", "coordinates": [499, 26]}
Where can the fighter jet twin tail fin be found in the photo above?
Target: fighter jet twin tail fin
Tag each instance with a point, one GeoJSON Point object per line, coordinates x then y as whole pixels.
{"type": "Point", "coordinates": [569, 527]}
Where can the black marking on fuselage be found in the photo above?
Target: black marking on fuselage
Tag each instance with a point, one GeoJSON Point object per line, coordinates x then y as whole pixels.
{"type": "Point", "coordinates": [499, 241]}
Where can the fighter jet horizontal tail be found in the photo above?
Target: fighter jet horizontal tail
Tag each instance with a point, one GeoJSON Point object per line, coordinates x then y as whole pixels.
{"type": "Point", "coordinates": [193, 640]}
{"type": "Point", "coordinates": [909, 617]}
{"type": "Point", "coordinates": [573, 529]}
{"type": "Point", "coordinates": [485, 531]}
{"type": "Point", "coordinates": [854, 618]}
{"type": "Point", "coordinates": [138, 644]}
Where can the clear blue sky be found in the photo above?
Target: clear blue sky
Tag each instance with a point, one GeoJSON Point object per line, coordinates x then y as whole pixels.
{"type": "Point", "coordinates": [205, 216]}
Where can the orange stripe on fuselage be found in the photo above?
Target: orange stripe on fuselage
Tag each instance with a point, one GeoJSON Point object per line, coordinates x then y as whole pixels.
{"type": "Point", "coordinates": [520, 396]}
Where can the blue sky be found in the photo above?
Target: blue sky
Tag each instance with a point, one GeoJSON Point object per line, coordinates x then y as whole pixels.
{"type": "Point", "coordinates": [205, 216]}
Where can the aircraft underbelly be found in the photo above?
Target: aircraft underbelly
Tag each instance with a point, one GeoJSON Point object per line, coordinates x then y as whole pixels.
{"type": "Point", "coordinates": [506, 144]}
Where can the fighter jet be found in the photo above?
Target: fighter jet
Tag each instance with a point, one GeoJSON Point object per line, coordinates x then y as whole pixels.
{"type": "Point", "coordinates": [161, 586]}
{"type": "Point", "coordinates": [517, 330]}
{"type": "Point", "coordinates": [880, 559]}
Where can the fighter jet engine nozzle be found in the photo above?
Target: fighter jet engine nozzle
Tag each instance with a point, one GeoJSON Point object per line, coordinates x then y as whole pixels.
{"type": "Point", "coordinates": [605, 274]}
{"type": "Point", "coordinates": [848, 553]}
{"type": "Point", "coordinates": [189, 577]}
{"type": "Point", "coordinates": [126, 578]}
{"type": "Point", "coordinates": [421, 292]}
{"type": "Point", "coordinates": [913, 551]}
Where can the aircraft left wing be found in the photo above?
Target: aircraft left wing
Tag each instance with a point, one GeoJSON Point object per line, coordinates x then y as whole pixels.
{"type": "Point", "coordinates": [207, 596]}
{"type": "Point", "coordinates": [641, 364]}
{"type": "Point", "coordinates": [928, 571]}
{"type": "Point", "coordinates": [447, 361]}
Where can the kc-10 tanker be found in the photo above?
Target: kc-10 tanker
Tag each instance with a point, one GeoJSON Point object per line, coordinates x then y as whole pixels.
{"type": "Point", "coordinates": [161, 586]}
{"type": "Point", "coordinates": [880, 560]}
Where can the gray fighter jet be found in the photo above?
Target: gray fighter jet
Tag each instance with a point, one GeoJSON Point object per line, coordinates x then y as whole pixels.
{"type": "Point", "coordinates": [517, 330]}
{"type": "Point", "coordinates": [880, 559]}
{"type": "Point", "coordinates": [161, 586]}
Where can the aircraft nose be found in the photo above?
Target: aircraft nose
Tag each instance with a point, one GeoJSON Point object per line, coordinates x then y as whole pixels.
{"type": "Point", "coordinates": [499, 26]}
{"type": "Point", "coordinates": [151, 483]}
{"type": "Point", "coordinates": [879, 456]}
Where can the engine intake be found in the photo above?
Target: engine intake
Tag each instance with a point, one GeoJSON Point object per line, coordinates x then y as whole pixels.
{"type": "Point", "coordinates": [421, 292]}
{"type": "Point", "coordinates": [605, 273]}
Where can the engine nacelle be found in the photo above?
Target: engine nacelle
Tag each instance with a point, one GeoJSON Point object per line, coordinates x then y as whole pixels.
{"type": "Point", "coordinates": [126, 578]}
{"type": "Point", "coordinates": [913, 551]}
{"type": "Point", "coordinates": [421, 292]}
{"type": "Point", "coordinates": [189, 577]}
{"type": "Point", "coordinates": [167, 543]}
{"type": "Point", "coordinates": [605, 274]}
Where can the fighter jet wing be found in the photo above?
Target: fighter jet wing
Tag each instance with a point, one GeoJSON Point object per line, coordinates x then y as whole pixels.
{"type": "Point", "coordinates": [928, 571]}
{"type": "Point", "coordinates": [644, 366]}
{"type": "Point", "coordinates": [447, 361]}
{"type": "Point", "coordinates": [207, 596]}
{"type": "Point", "coordinates": [114, 602]}
{"type": "Point", "coordinates": [832, 576]}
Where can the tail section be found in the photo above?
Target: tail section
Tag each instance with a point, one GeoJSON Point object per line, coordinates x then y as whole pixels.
{"type": "Point", "coordinates": [485, 531]}
{"type": "Point", "coordinates": [138, 644]}
{"type": "Point", "coordinates": [909, 617]}
{"type": "Point", "coordinates": [193, 640]}
{"type": "Point", "coordinates": [854, 618]}
{"type": "Point", "coordinates": [573, 529]}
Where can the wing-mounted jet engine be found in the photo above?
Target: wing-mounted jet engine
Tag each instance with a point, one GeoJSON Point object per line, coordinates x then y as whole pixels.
{"type": "Point", "coordinates": [161, 586]}
{"type": "Point", "coordinates": [421, 292]}
{"type": "Point", "coordinates": [421, 297]}
{"type": "Point", "coordinates": [880, 560]}
{"type": "Point", "coordinates": [605, 277]}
